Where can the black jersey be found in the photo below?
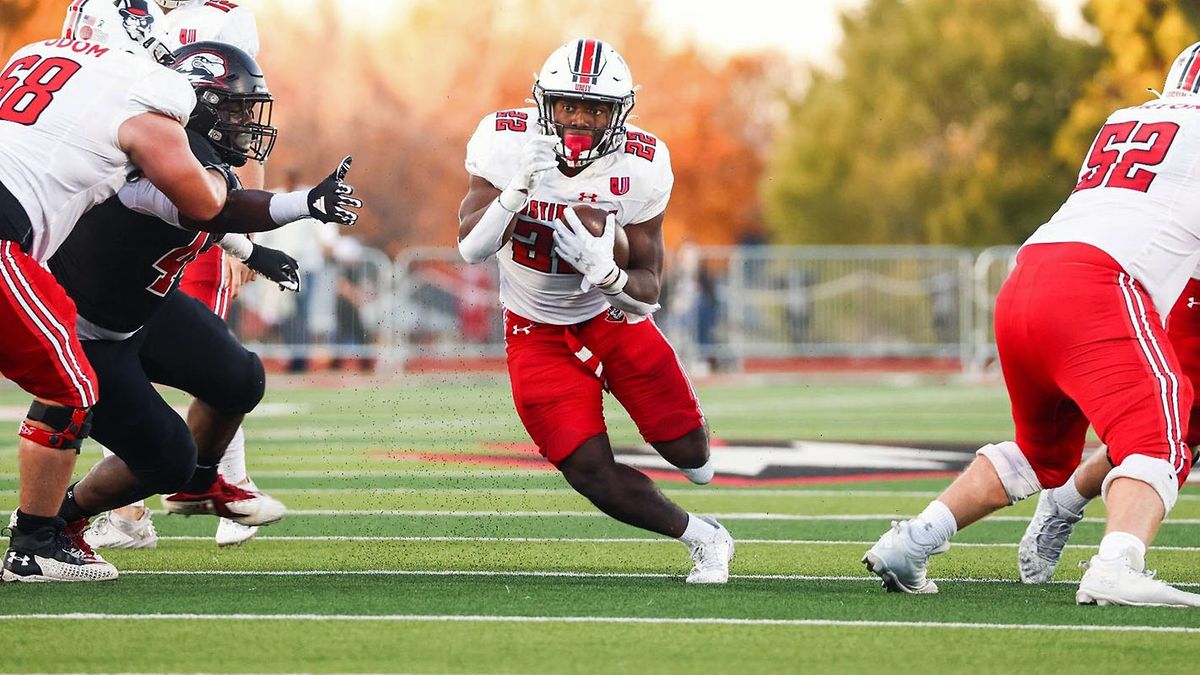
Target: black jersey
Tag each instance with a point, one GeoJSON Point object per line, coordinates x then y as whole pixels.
{"type": "Point", "coordinates": [119, 265]}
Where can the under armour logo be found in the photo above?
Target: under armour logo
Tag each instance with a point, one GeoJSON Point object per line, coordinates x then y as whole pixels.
{"type": "Point", "coordinates": [14, 558]}
{"type": "Point", "coordinates": [1192, 303]}
{"type": "Point", "coordinates": [588, 197]}
{"type": "Point", "coordinates": [522, 329]}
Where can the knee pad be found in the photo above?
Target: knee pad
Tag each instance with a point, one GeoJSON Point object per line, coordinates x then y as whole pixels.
{"type": "Point", "coordinates": [1016, 474]}
{"type": "Point", "coordinates": [68, 426]}
{"type": "Point", "coordinates": [1155, 472]}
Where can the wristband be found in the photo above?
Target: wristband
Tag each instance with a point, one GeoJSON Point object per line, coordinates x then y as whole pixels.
{"type": "Point", "coordinates": [288, 207]}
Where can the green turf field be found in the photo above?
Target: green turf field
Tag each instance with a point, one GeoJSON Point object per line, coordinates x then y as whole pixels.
{"type": "Point", "coordinates": [391, 562]}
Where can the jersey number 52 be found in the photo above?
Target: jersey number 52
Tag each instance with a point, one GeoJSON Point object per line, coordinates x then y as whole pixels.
{"type": "Point", "coordinates": [1115, 168]}
{"type": "Point", "coordinates": [25, 95]}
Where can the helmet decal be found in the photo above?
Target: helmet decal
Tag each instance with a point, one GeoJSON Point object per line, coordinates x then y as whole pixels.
{"type": "Point", "coordinates": [1188, 79]}
{"type": "Point", "coordinates": [203, 67]}
{"type": "Point", "coordinates": [588, 62]}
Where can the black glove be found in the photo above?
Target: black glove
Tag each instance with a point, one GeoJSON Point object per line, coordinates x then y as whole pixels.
{"type": "Point", "coordinates": [276, 266]}
{"type": "Point", "coordinates": [330, 201]}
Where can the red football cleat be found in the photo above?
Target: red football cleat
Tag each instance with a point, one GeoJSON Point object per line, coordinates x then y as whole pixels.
{"type": "Point", "coordinates": [242, 506]}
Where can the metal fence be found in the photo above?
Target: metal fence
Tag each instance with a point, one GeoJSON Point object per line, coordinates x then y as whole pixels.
{"type": "Point", "coordinates": [723, 307]}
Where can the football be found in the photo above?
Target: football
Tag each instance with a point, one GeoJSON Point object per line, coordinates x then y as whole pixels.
{"type": "Point", "coordinates": [593, 220]}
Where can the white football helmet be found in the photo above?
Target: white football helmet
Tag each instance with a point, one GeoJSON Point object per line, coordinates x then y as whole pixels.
{"type": "Point", "coordinates": [588, 70]}
{"type": "Point", "coordinates": [1184, 77]}
{"type": "Point", "coordinates": [135, 26]}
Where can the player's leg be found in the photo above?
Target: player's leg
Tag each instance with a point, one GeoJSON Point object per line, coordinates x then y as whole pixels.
{"type": "Point", "coordinates": [645, 375]}
{"type": "Point", "coordinates": [43, 356]}
{"type": "Point", "coordinates": [209, 280]}
{"type": "Point", "coordinates": [1139, 404]}
{"type": "Point", "coordinates": [1050, 435]}
{"type": "Point", "coordinates": [1060, 509]}
{"type": "Point", "coordinates": [227, 383]}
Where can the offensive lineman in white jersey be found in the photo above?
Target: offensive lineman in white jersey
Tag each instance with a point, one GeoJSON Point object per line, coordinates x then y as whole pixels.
{"type": "Point", "coordinates": [77, 116]}
{"type": "Point", "coordinates": [213, 278]}
{"type": "Point", "coordinates": [575, 322]}
{"type": "Point", "coordinates": [1081, 339]}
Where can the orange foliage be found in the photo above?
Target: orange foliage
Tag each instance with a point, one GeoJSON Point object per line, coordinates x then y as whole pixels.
{"type": "Point", "coordinates": [404, 98]}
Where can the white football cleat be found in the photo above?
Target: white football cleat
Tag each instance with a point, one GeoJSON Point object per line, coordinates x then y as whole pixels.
{"type": "Point", "coordinates": [712, 557]}
{"type": "Point", "coordinates": [1042, 546]}
{"type": "Point", "coordinates": [1123, 581]}
{"type": "Point", "coordinates": [900, 562]}
{"type": "Point", "coordinates": [109, 530]}
{"type": "Point", "coordinates": [230, 533]}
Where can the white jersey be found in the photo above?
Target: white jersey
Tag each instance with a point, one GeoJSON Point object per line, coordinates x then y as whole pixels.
{"type": "Point", "coordinates": [1138, 197]}
{"type": "Point", "coordinates": [634, 183]}
{"type": "Point", "coordinates": [218, 20]}
{"type": "Point", "coordinates": [59, 153]}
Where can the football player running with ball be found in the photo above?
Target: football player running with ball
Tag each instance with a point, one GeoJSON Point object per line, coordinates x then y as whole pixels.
{"type": "Point", "coordinates": [575, 322]}
{"type": "Point", "coordinates": [1118, 253]}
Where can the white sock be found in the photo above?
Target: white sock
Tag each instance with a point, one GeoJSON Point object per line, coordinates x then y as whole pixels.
{"type": "Point", "coordinates": [700, 475]}
{"type": "Point", "coordinates": [233, 464]}
{"type": "Point", "coordinates": [698, 530]}
{"type": "Point", "coordinates": [934, 526]}
{"type": "Point", "coordinates": [1118, 544]}
{"type": "Point", "coordinates": [1068, 497]}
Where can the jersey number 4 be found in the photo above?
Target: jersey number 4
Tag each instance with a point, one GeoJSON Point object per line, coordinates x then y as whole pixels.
{"type": "Point", "coordinates": [1115, 168]}
{"type": "Point", "coordinates": [172, 263]}
{"type": "Point", "coordinates": [25, 95]}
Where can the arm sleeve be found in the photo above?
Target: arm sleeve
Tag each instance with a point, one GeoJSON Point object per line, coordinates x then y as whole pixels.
{"type": "Point", "coordinates": [142, 197]}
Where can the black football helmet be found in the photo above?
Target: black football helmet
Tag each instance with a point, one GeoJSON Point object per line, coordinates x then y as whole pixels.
{"type": "Point", "coordinates": [233, 104]}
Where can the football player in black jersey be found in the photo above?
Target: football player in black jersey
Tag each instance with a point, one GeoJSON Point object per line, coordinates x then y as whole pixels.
{"type": "Point", "coordinates": [122, 266]}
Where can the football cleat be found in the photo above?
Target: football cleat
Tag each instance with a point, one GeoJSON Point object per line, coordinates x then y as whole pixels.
{"type": "Point", "coordinates": [1123, 581]}
{"type": "Point", "coordinates": [712, 557]}
{"type": "Point", "coordinates": [245, 507]}
{"type": "Point", "coordinates": [900, 562]}
{"type": "Point", "coordinates": [112, 531]}
{"type": "Point", "coordinates": [230, 533]}
{"type": "Point", "coordinates": [1042, 546]}
{"type": "Point", "coordinates": [50, 554]}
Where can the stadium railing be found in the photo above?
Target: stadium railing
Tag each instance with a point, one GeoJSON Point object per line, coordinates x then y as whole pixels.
{"type": "Point", "coordinates": [730, 308]}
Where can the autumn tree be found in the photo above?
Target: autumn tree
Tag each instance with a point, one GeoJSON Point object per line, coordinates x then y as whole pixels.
{"type": "Point", "coordinates": [24, 21]}
{"type": "Point", "coordinates": [1140, 40]}
{"type": "Point", "coordinates": [936, 130]}
{"type": "Point", "coordinates": [405, 97]}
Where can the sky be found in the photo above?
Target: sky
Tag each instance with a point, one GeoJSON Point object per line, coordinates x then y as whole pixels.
{"type": "Point", "coordinates": [805, 29]}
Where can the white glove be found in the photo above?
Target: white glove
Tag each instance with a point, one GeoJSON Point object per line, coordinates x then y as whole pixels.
{"type": "Point", "coordinates": [591, 256]}
{"type": "Point", "coordinates": [537, 157]}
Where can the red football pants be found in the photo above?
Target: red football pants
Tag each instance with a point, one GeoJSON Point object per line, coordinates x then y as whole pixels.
{"type": "Point", "coordinates": [204, 279]}
{"type": "Point", "coordinates": [558, 374]}
{"type": "Point", "coordinates": [38, 347]}
{"type": "Point", "coordinates": [1080, 342]}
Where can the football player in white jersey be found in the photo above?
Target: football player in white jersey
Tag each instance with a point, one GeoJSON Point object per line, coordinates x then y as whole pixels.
{"type": "Point", "coordinates": [1081, 339]}
{"type": "Point", "coordinates": [213, 278]}
{"type": "Point", "coordinates": [575, 322]}
{"type": "Point", "coordinates": [78, 115]}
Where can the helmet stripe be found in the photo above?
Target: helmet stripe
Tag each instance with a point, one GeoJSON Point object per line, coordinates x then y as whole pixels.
{"type": "Point", "coordinates": [1188, 80]}
{"type": "Point", "coordinates": [73, 16]}
{"type": "Point", "coordinates": [586, 61]}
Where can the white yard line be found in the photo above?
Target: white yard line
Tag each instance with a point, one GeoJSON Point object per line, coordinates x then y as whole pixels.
{"type": "Point", "coordinates": [621, 540]}
{"type": "Point", "coordinates": [488, 618]}
{"type": "Point", "coordinates": [560, 574]}
{"type": "Point", "coordinates": [738, 515]}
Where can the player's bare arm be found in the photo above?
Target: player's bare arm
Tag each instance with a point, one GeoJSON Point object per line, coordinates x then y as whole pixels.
{"type": "Point", "coordinates": [646, 252]}
{"type": "Point", "coordinates": [158, 146]}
